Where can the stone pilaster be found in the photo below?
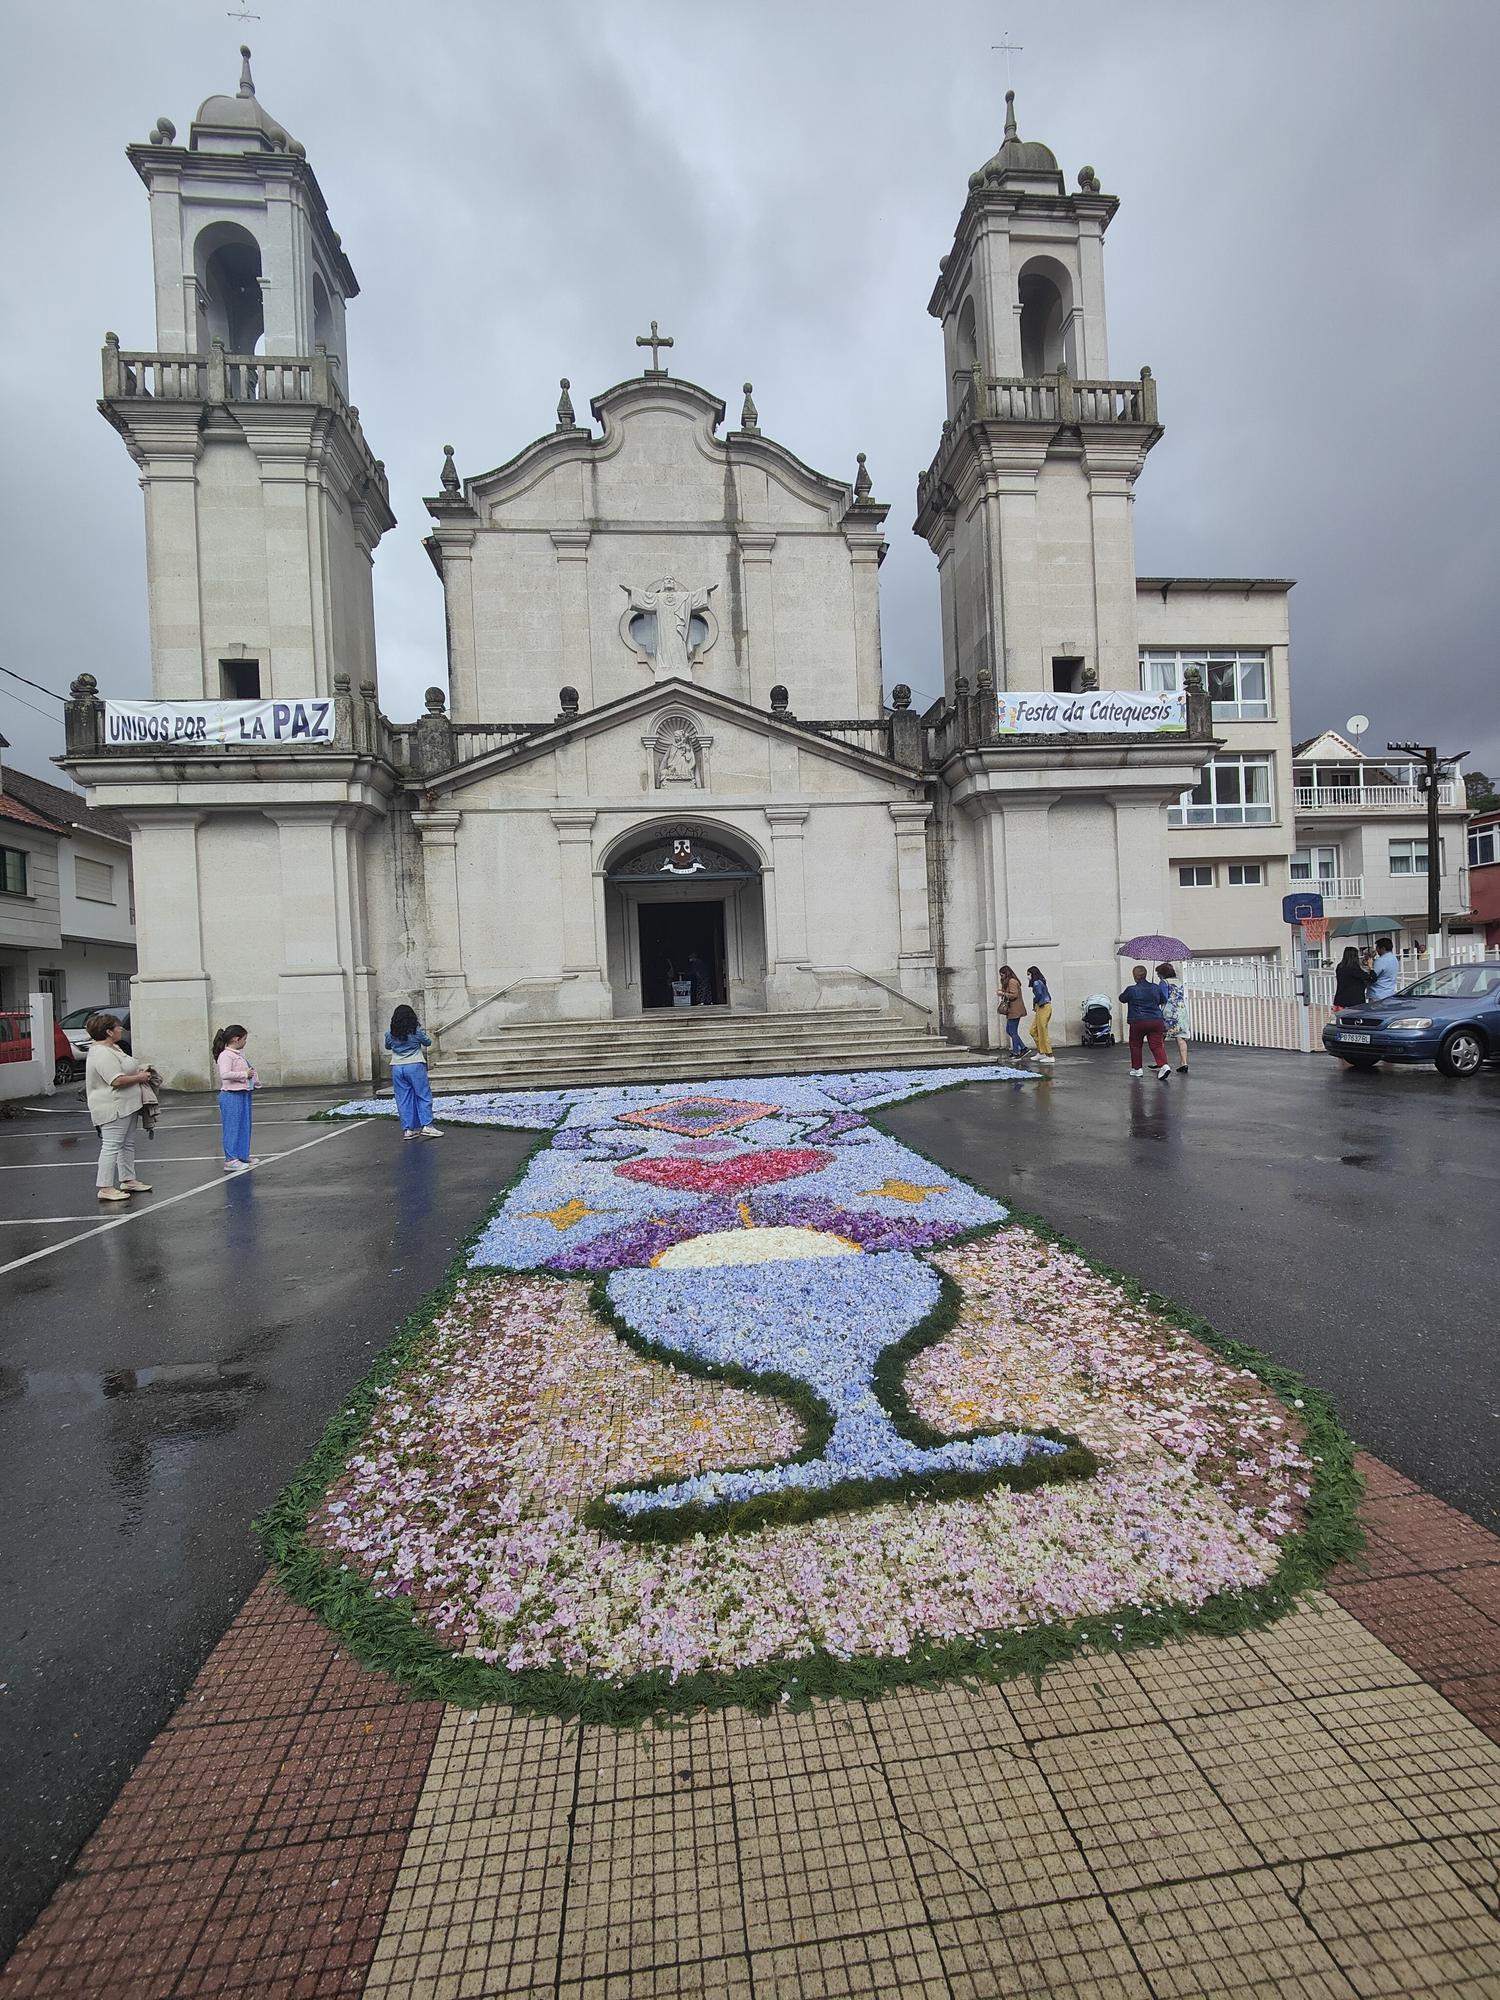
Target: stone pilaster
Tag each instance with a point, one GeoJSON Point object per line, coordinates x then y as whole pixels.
{"type": "Point", "coordinates": [443, 980]}
{"type": "Point", "coordinates": [755, 546]}
{"type": "Point", "coordinates": [576, 661]}
{"type": "Point", "coordinates": [313, 998]}
{"type": "Point", "coordinates": [916, 967]}
{"type": "Point", "coordinates": [169, 995]}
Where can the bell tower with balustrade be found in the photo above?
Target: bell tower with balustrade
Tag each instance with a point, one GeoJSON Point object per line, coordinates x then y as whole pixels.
{"type": "Point", "coordinates": [1027, 504]}
{"type": "Point", "coordinates": [264, 503]}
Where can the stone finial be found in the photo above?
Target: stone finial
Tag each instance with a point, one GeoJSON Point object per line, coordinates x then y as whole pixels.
{"type": "Point", "coordinates": [1010, 116]}
{"type": "Point", "coordinates": [984, 680]}
{"type": "Point", "coordinates": [450, 471]}
{"type": "Point", "coordinates": [749, 415]}
{"type": "Point", "coordinates": [83, 687]}
{"type": "Point", "coordinates": [1088, 679]}
{"type": "Point", "coordinates": [566, 420]}
{"type": "Point", "coordinates": [862, 481]}
{"type": "Point", "coordinates": [1192, 680]}
{"type": "Point", "coordinates": [781, 700]}
{"type": "Point", "coordinates": [436, 700]}
{"type": "Point", "coordinates": [341, 683]}
{"type": "Point", "coordinates": [900, 696]}
{"type": "Point", "coordinates": [567, 701]}
{"type": "Point", "coordinates": [296, 148]}
{"type": "Point", "coordinates": [163, 132]}
{"type": "Point", "coordinates": [247, 81]}
{"type": "Point", "coordinates": [1088, 180]}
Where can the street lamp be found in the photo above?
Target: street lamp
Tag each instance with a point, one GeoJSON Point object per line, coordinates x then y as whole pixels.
{"type": "Point", "coordinates": [1429, 780]}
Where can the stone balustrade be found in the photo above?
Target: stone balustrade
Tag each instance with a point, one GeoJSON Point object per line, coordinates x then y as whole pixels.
{"type": "Point", "coordinates": [1060, 401]}
{"type": "Point", "coordinates": [219, 377]}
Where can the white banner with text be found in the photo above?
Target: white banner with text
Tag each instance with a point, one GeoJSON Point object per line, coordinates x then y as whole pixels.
{"type": "Point", "coordinates": [1096, 714]}
{"type": "Point", "coordinates": [225, 723]}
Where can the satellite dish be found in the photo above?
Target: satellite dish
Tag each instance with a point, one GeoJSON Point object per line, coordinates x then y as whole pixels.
{"type": "Point", "coordinates": [1357, 724]}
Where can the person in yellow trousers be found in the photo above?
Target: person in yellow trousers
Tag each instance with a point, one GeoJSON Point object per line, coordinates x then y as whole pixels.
{"type": "Point", "coordinates": [1041, 1014]}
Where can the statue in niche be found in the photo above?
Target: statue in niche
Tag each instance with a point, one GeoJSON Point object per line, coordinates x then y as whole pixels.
{"type": "Point", "coordinates": [677, 753]}
{"type": "Point", "coordinates": [673, 607]}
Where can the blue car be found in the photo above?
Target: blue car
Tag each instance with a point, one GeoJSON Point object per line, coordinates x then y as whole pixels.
{"type": "Point", "coordinates": [1451, 1018]}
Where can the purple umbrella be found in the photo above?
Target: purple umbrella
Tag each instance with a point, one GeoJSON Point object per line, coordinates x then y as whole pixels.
{"type": "Point", "coordinates": [1154, 948]}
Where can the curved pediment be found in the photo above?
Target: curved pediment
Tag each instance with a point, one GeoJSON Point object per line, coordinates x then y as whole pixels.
{"type": "Point", "coordinates": [660, 456]}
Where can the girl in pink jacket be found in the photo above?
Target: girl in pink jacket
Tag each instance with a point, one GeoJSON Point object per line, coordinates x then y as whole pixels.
{"type": "Point", "coordinates": [236, 1081]}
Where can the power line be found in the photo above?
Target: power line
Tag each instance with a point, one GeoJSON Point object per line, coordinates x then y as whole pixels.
{"type": "Point", "coordinates": [22, 702]}
{"type": "Point", "coordinates": [34, 684]}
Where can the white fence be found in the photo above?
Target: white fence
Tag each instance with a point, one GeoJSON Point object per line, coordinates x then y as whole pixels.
{"type": "Point", "coordinates": [1256, 1003]}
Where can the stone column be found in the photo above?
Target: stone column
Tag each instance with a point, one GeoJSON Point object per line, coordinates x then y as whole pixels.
{"type": "Point", "coordinates": [755, 546]}
{"type": "Point", "coordinates": [916, 968]}
{"type": "Point", "coordinates": [458, 591]}
{"type": "Point", "coordinates": [788, 984]}
{"type": "Point", "coordinates": [1028, 876]}
{"type": "Point", "coordinates": [312, 990]}
{"type": "Point", "coordinates": [169, 479]}
{"type": "Point", "coordinates": [576, 663]}
{"type": "Point", "coordinates": [1140, 862]}
{"type": "Point", "coordinates": [1019, 619]}
{"type": "Point", "coordinates": [443, 979]}
{"type": "Point", "coordinates": [865, 550]}
{"type": "Point", "coordinates": [1111, 473]}
{"type": "Point", "coordinates": [586, 996]}
{"type": "Point", "coordinates": [169, 995]}
{"type": "Point", "coordinates": [295, 572]}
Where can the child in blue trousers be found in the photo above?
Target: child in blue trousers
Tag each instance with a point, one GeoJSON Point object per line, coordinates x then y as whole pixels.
{"type": "Point", "coordinates": [408, 1042]}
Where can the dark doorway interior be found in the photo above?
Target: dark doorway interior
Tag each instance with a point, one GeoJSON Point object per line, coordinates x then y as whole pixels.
{"type": "Point", "coordinates": [671, 935]}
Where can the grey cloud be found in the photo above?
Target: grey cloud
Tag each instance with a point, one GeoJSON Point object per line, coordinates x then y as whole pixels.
{"type": "Point", "coordinates": [1306, 256]}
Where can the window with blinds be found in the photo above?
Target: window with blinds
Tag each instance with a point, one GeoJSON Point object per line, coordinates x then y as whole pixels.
{"type": "Point", "coordinates": [94, 881]}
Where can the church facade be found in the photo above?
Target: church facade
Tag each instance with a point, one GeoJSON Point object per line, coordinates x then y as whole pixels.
{"type": "Point", "coordinates": [670, 759]}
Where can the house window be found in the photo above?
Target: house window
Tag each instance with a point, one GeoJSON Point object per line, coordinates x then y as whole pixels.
{"type": "Point", "coordinates": [1198, 876]}
{"type": "Point", "coordinates": [50, 980]}
{"type": "Point", "coordinates": [1484, 846]}
{"type": "Point", "coordinates": [93, 881]}
{"type": "Point", "coordinates": [240, 679]}
{"type": "Point", "coordinates": [13, 881]}
{"type": "Point", "coordinates": [1233, 791]}
{"type": "Point", "coordinates": [1238, 683]}
{"type": "Point", "coordinates": [119, 989]}
{"type": "Point", "coordinates": [1314, 864]}
{"type": "Point", "coordinates": [1246, 874]}
{"type": "Point", "coordinates": [1409, 857]}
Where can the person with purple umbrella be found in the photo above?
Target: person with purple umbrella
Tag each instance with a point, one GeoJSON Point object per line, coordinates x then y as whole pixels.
{"type": "Point", "coordinates": [1144, 1001]}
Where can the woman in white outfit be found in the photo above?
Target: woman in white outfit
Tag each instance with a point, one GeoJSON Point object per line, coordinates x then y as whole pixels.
{"type": "Point", "coordinates": [114, 1080]}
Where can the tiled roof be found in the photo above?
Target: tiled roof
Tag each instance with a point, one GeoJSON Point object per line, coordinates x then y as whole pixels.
{"type": "Point", "coordinates": [13, 809]}
{"type": "Point", "coordinates": [64, 807]}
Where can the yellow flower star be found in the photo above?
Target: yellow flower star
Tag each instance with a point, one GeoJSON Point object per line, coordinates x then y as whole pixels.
{"type": "Point", "coordinates": [906, 1190]}
{"type": "Point", "coordinates": [564, 1217]}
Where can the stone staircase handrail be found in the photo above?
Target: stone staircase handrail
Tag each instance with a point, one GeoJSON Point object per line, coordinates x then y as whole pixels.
{"type": "Point", "coordinates": [553, 979]}
{"type": "Point", "coordinates": [854, 972]}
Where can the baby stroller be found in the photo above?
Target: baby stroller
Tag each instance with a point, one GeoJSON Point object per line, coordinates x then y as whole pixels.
{"type": "Point", "coordinates": [1098, 1022]}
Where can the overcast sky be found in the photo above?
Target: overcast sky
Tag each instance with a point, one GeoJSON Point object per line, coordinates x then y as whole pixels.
{"type": "Point", "coordinates": [1306, 255]}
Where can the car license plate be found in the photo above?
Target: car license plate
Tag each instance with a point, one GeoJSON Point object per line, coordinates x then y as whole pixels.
{"type": "Point", "coordinates": [1353, 1038]}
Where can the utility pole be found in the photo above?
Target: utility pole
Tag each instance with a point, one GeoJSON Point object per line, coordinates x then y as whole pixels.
{"type": "Point", "coordinates": [1434, 769]}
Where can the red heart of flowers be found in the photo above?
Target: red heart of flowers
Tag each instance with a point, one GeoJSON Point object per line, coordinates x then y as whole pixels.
{"type": "Point", "coordinates": [745, 1170]}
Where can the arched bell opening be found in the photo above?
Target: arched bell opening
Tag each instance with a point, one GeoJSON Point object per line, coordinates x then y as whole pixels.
{"type": "Point", "coordinates": [684, 910]}
{"type": "Point", "coordinates": [1044, 291]}
{"type": "Point", "coordinates": [227, 260]}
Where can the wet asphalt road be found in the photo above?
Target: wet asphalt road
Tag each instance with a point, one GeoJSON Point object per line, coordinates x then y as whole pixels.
{"type": "Point", "coordinates": [158, 1384]}
{"type": "Point", "coordinates": [160, 1381]}
{"type": "Point", "coordinates": [1347, 1224]}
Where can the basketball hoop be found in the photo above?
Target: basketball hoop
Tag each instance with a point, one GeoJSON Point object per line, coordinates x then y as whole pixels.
{"type": "Point", "coordinates": [1315, 930]}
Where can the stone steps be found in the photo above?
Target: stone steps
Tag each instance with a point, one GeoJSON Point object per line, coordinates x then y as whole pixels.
{"type": "Point", "coordinates": [687, 1047]}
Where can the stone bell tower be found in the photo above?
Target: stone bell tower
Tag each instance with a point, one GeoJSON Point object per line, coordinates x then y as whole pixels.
{"type": "Point", "coordinates": [264, 505]}
{"type": "Point", "coordinates": [263, 501]}
{"type": "Point", "coordinates": [1027, 504]}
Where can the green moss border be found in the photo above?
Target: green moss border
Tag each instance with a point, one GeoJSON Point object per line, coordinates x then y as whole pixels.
{"type": "Point", "coordinates": [381, 1633]}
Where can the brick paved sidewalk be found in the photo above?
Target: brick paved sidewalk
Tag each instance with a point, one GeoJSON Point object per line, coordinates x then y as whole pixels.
{"type": "Point", "coordinates": [1311, 1810]}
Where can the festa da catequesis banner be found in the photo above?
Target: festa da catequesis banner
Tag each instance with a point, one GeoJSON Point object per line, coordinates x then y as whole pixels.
{"type": "Point", "coordinates": [1098, 713]}
{"type": "Point", "coordinates": [218, 722]}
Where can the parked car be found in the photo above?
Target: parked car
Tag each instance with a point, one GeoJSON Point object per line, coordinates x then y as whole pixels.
{"type": "Point", "coordinates": [74, 1025]}
{"type": "Point", "coordinates": [15, 1045]}
{"type": "Point", "coordinates": [1450, 1017]}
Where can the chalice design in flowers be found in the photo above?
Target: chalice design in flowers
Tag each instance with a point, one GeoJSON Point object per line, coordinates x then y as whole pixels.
{"type": "Point", "coordinates": [770, 1240]}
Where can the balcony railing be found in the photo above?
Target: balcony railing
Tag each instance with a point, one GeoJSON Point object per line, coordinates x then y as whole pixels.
{"type": "Point", "coordinates": [1369, 798]}
{"type": "Point", "coordinates": [219, 377]}
{"type": "Point", "coordinates": [1334, 889]}
{"type": "Point", "coordinates": [1055, 399]}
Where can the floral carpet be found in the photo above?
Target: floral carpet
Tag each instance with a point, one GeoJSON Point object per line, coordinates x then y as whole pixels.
{"type": "Point", "coordinates": [738, 1397]}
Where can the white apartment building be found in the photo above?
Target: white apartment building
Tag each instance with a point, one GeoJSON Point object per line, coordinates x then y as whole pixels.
{"type": "Point", "coordinates": [67, 903]}
{"type": "Point", "coordinates": [1362, 840]}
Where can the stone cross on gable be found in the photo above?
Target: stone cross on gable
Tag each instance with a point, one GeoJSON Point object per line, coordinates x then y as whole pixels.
{"type": "Point", "coordinates": [654, 340]}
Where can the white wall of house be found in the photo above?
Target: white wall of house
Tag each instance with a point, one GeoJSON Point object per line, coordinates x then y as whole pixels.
{"type": "Point", "coordinates": [30, 923]}
{"type": "Point", "coordinates": [1226, 878]}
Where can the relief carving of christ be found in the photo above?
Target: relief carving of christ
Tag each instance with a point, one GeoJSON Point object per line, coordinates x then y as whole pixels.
{"type": "Point", "coordinates": [675, 607]}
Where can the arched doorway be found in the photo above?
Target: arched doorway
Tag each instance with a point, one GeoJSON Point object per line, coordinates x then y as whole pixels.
{"type": "Point", "coordinates": [684, 920]}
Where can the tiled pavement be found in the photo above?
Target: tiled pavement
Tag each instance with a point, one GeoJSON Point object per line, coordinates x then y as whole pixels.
{"type": "Point", "coordinates": [1313, 1810]}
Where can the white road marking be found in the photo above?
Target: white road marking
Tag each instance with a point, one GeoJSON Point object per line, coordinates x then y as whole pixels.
{"type": "Point", "coordinates": [24, 1221]}
{"type": "Point", "coordinates": [219, 1181]}
{"type": "Point", "coordinates": [146, 1159]}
